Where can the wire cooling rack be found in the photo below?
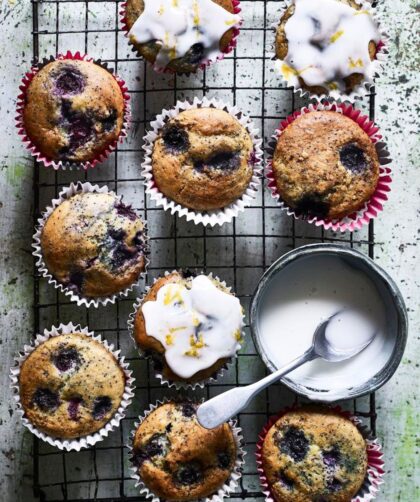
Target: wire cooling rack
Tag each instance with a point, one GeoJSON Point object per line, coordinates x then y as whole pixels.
{"type": "Point", "coordinates": [238, 252]}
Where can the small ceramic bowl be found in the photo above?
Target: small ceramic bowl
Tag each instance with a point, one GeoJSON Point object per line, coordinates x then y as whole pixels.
{"type": "Point", "coordinates": [394, 306]}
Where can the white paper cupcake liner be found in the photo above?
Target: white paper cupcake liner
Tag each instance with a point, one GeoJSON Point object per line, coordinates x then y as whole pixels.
{"type": "Point", "coordinates": [66, 193]}
{"type": "Point", "coordinates": [365, 86]}
{"type": "Point", "coordinates": [229, 486]}
{"type": "Point", "coordinates": [64, 164]}
{"type": "Point", "coordinates": [91, 439]}
{"type": "Point", "coordinates": [375, 468]}
{"type": "Point", "coordinates": [158, 374]}
{"type": "Point", "coordinates": [215, 217]}
{"type": "Point", "coordinates": [374, 205]}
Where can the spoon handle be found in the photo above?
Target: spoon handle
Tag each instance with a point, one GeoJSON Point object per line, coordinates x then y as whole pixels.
{"type": "Point", "coordinates": [221, 408]}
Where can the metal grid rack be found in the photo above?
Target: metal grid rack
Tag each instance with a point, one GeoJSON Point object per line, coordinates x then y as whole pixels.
{"type": "Point", "coordinates": [238, 252]}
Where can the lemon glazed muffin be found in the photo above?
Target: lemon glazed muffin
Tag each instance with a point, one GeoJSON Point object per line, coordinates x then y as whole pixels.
{"type": "Point", "coordinates": [74, 110]}
{"type": "Point", "coordinates": [70, 386]}
{"type": "Point", "coordinates": [94, 245]}
{"type": "Point", "coordinates": [190, 326]}
{"type": "Point", "coordinates": [181, 35]}
{"type": "Point", "coordinates": [177, 459]}
{"type": "Point", "coordinates": [314, 455]}
{"type": "Point", "coordinates": [202, 159]}
{"type": "Point", "coordinates": [327, 45]}
{"type": "Point", "coordinates": [325, 165]}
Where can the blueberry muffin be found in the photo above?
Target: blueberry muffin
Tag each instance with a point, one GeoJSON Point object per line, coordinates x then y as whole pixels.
{"type": "Point", "coordinates": [325, 45]}
{"type": "Point", "coordinates": [70, 386]}
{"type": "Point", "coordinates": [94, 245]}
{"type": "Point", "coordinates": [73, 110]}
{"type": "Point", "coordinates": [325, 165]}
{"type": "Point", "coordinates": [202, 159]}
{"type": "Point", "coordinates": [314, 455]}
{"type": "Point", "coordinates": [180, 35]}
{"type": "Point", "coordinates": [190, 326]}
{"type": "Point", "coordinates": [177, 459]}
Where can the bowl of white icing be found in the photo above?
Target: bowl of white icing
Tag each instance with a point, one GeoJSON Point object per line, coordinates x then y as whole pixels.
{"type": "Point", "coordinates": [307, 286]}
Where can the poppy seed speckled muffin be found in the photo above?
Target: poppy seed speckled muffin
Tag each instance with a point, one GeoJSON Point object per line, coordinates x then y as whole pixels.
{"type": "Point", "coordinates": [324, 45]}
{"type": "Point", "coordinates": [177, 459]}
{"type": "Point", "coordinates": [202, 159]}
{"type": "Point", "coordinates": [74, 110]}
{"type": "Point", "coordinates": [70, 386]}
{"type": "Point", "coordinates": [180, 35]}
{"type": "Point", "coordinates": [314, 455]}
{"type": "Point", "coordinates": [325, 165]}
{"type": "Point", "coordinates": [94, 245]}
{"type": "Point", "coordinates": [189, 325]}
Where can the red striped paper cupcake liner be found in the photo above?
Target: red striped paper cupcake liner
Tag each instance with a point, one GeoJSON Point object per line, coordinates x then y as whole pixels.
{"type": "Point", "coordinates": [375, 463]}
{"type": "Point", "coordinates": [371, 208]}
{"type": "Point", "coordinates": [21, 101]}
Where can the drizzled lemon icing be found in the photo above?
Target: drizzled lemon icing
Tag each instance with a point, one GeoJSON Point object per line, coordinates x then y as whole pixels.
{"type": "Point", "coordinates": [179, 24]}
{"type": "Point", "coordinates": [197, 326]}
{"type": "Point", "coordinates": [327, 41]}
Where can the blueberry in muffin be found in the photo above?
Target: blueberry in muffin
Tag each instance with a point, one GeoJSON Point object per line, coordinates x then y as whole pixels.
{"type": "Point", "coordinates": [180, 35]}
{"type": "Point", "coordinates": [202, 159]}
{"type": "Point", "coordinates": [326, 45]}
{"type": "Point", "coordinates": [312, 455]}
{"type": "Point", "coordinates": [73, 111]}
{"type": "Point", "coordinates": [325, 165]}
{"type": "Point", "coordinates": [70, 386]}
{"type": "Point", "coordinates": [94, 245]}
{"type": "Point", "coordinates": [177, 459]}
{"type": "Point", "coordinates": [190, 326]}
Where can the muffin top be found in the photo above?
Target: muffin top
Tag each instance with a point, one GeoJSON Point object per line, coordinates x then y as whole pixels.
{"type": "Point", "coordinates": [202, 159]}
{"type": "Point", "coordinates": [180, 35]}
{"type": "Point", "coordinates": [94, 245]}
{"type": "Point", "coordinates": [73, 110]}
{"type": "Point", "coordinates": [177, 459]}
{"type": "Point", "coordinates": [191, 325]}
{"type": "Point", "coordinates": [314, 455]}
{"type": "Point", "coordinates": [70, 386]}
{"type": "Point", "coordinates": [324, 45]}
{"type": "Point", "coordinates": [325, 165]}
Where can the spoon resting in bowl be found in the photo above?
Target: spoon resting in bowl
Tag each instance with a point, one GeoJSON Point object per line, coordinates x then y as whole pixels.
{"type": "Point", "coordinates": [221, 408]}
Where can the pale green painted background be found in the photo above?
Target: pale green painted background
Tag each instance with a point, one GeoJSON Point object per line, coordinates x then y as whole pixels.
{"type": "Point", "coordinates": [396, 234]}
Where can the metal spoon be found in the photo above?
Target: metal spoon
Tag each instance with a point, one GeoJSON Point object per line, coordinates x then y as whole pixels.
{"type": "Point", "coordinates": [221, 408]}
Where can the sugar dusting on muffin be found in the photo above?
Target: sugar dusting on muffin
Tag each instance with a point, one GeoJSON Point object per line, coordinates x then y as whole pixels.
{"type": "Point", "coordinates": [183, 26]}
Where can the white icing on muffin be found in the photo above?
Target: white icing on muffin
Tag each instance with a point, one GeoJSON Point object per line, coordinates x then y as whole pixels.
{"type": "Point", "coordinates": [328, 41]}
{"type": "Point", "coordinates": [180, 24]}
{"type": "Point", "coordinates": [197, 326]}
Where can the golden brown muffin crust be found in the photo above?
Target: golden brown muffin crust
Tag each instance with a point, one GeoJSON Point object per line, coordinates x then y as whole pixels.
{"type": "Point", "coordinates": [202, 159]}
{"type": "Point", "coordinates": [325, 165]}
{"type": "Point", "coordinates": [73, 111]}
{"type": "Point", "coordinates": [281, 46]}
{"type": "Point", "coordinates": [71, 386]}
{"type": "Point", "coordinates": [150, 50]}
{"type": "Point", "coordinates": [314, 454]}
{"type": "Point", "coordinates": [153, 347]}
{"type": "Point", "coordinates": [178, 459]}
{"type": "Point", "coordinates": [94, 244]}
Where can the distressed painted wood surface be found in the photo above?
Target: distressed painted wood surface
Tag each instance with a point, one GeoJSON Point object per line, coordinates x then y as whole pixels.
{"type": "Point", "coordinates": [396, 234]}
